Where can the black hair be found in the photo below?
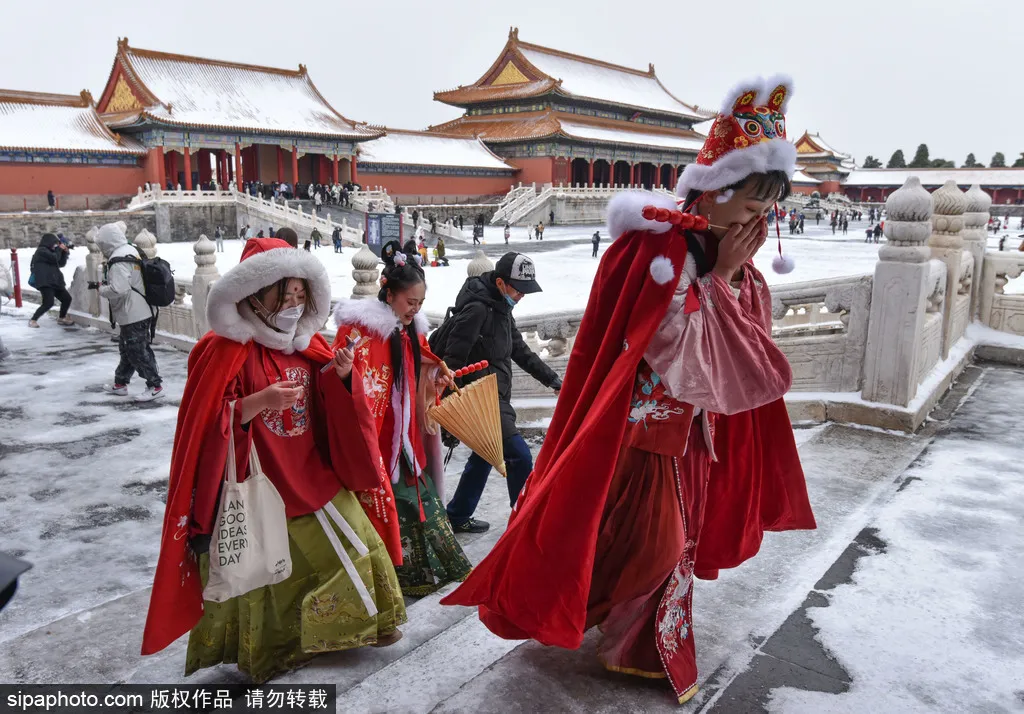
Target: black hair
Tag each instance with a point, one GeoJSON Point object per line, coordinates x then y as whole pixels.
{"type": "Point", "coordinates": [397, 278]}
{"type": "Point", "coordinates": [769, 186]}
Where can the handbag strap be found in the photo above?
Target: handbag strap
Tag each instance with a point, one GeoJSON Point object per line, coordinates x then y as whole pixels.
{"type": "Point", "coordinates": [230, 471]}
{"type": "Point", "coordinates": [230, 476]}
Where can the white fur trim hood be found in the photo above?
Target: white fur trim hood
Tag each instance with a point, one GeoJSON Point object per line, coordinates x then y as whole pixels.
{"type": "Point", "coordinates": [375, 316]}
{"type": "Point", "coordinates": [229, 316]}
{"type": "Point", "coordinates": [773, 155]}
{"type": "Point", "coordinates": [625, 212]}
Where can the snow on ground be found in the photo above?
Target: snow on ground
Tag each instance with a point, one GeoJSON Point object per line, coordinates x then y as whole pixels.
{"type": "Point", "coordinates": [565, 272]}
{"type": "Point", "coordinates": [82, 473]}
{"type": "Point", "coordinates": [934, 623]}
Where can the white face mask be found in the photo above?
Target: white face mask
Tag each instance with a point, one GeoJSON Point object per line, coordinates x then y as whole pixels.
{"type": "Point", "coordinates": [286, 319]}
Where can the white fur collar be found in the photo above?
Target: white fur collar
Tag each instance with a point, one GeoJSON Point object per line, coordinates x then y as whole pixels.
{"type": "Point", "coordinates": [375, 316]}
{"type": "Point", "coordinates": [231, 317]}
{"type": "Point", "coordinates": [625, 212]}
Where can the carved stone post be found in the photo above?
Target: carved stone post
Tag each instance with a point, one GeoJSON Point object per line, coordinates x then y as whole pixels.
{"type": "Point", "coordinates": [898, 298]}
{"type": "Point", "coordinates": [975, 237]}
{"type": "Point", "coordinates": [479, 265]}
{"type": "Point", "coordinates": [146, 242]}
{"type": "Point", "coordinates": [366, 274]}
{"type": "Point", "coordinates": [947, 245]}
{"type": "Point", "coordinates": [204, 277]}
{"type": "Point", "coordinates": [94, 272]}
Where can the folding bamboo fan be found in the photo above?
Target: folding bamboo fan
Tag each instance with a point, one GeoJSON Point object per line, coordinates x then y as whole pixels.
{"type": "Point", "coordinates": [471, 414]}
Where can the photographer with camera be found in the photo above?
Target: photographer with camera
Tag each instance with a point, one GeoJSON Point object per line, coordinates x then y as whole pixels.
{"type": "Point", "coordinates": [47, 278]}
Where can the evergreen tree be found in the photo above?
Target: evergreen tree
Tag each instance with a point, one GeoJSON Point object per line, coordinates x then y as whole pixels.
{"type": "Point", "coordinates": [921, 160]}
{"type": "Point", "coordinates": [1019, 163]}
{"type": "Point", "coordinates": [942, 164]}
{"type": "Point", "coordinates": [998, 161]}
{"type": "Point", "coordinates": [896, 161]}
{"type": "Point", "coordinates": [872, 163]}
{"type": "Point", "coordinates": [972, 163]}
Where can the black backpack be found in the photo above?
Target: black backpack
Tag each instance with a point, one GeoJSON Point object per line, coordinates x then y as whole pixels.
{"type": "Point", "coordinates": [157, 278]}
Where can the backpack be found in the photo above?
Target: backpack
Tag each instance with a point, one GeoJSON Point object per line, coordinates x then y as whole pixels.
{"type": "Point", "coordinates": [157, 278]}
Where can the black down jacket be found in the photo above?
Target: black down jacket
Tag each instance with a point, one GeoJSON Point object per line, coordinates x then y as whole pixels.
{"type": "Point", "coordinates": [47, 262]}
{"type": "Point", "coordinates": [481, 327]}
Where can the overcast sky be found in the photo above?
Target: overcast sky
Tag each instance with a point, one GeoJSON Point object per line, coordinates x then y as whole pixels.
{"type": "Point", "coordinates": [871, 76]}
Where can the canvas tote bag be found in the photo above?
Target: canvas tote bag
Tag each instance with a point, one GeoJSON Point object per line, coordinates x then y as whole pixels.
{"type": "Point", "coordinates": [249, 545]}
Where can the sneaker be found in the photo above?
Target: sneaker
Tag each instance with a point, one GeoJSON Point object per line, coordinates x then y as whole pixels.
{"type": "Point", "coordinates": [33, 323]}
{"type": "Point", "coordinates": [120, 390]}
{"type": "Point", "coordinates": [150, 394]}
{"type": "Point", "coordinates": [471, 526]}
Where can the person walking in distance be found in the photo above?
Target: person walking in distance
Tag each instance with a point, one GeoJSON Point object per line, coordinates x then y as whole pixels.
{"type": "Point", "coordinates": [47, 278]}
{"type": "Point", "coordinates": [51, 200]}
{"type": "Point", "coordinates": [508, 232]}
{"type": "Point", "coordinates": [481, 327]}
{"type": "Point", "coordinates": [596, 240]}
{"type": "Point", "coordinates": [315, 237]}
{"type": "Point", "coordinates": [125, 292]}
{"type": "Point", "coordinates": [218, 236]}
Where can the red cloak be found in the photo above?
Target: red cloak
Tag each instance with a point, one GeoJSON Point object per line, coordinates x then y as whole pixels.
{"type": "Point", "coordinates": [536, 581]}
{"type": "Point", "coordinates": [176, 602]}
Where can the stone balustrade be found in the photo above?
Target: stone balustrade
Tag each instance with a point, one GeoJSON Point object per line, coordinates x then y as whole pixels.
{"type": "Point", "coordinates": [997, 309]}
{"type": "Point", "coordinates": [882, 335]}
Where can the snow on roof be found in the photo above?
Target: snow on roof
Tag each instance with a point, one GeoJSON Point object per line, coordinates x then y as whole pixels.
{"type": "Point", "coordinates": [57, 122]}
{"type": "Point", "coordinates": [623, 136]}
{"type": "Point", "coordinates": [823, 145]}
{"type": "Point", "coordinates": [936, 177]}
{"type": "Point", "coordinates": [605, 82]}
{"type": "Point", "coordinates": [429, 149]}
{"type": "Point", "coordinates": [801, 177]}
{"type": "Point", "coordinates": [193, 91]}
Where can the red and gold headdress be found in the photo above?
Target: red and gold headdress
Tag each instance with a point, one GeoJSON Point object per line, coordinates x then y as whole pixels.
{"type": "Point", "coordinates": [748, 136]}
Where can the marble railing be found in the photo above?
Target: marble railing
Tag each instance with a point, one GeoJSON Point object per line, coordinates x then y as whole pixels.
{"type": "Point", "coordinates": [882, 335]}
{"type": "Point", "coordinates": [997, 309]}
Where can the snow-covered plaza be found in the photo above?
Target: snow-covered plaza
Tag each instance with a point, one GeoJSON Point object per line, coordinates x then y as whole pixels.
{"type": "Point", "coordinates": [906, 598]}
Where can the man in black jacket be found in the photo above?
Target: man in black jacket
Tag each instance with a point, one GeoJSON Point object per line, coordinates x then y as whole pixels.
{"type": "Point", "coordinates": [482, 328]}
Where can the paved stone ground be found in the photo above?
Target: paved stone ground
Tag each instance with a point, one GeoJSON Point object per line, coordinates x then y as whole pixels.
{"type": "Point", "coordinates": [81, 486]}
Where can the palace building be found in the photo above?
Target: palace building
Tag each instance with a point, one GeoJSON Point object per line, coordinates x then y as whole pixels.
{"type": "Point", "coordinates": [563, 118]}
{"type": "Point", "coordinates": [58, 142]}
{"type": "Point", "coordinates": [203, 120]}
{"type": "Point", "coordinates": [536, 115]}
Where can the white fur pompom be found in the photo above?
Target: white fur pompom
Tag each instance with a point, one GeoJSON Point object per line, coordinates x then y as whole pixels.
{"type": "Point", "coordinates": [662, 270]}
{"type": "Point", "coordinates": [783, 264]}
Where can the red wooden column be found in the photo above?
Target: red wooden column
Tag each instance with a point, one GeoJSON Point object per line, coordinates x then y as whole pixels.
{"type": "Point", "coordinates": [334, 170]}
{"type": "Point", "coordinates": [295, 166]}
{"type": "Point", "coordinates": [673, 176]}
{"type": "Point", "coordinates": [632, 174]}
{"type": "Point", "coordinates": [280, 165]}
{"type": "Point", "coordinates": [239, 169]}
{"type": "Point", "coordinates": [188, 168]}
{"type": "Point", "coordinates": [590, 173]}
{"type": "Point", "coordinates": [355, 176]}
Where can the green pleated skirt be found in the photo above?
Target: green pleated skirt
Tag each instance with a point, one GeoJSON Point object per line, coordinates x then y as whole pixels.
{"type": "Point", "coordinates": [431, 556]}
{"type": "Point", "coordinates": [279, 627]}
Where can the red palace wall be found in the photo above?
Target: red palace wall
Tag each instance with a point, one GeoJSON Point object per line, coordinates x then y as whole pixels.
{"type": "Point", "coordinates": [32, 181]}
{"type": "Point", "coordinates": [805, 190]}
{"type": "Point", "coordinates": [399, 185]}
{"type": "Point", "coordinates": [540, 170]}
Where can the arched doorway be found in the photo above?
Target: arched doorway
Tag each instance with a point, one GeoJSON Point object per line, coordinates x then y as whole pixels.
{"type": "Point", "coordinates": [580, 172]}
